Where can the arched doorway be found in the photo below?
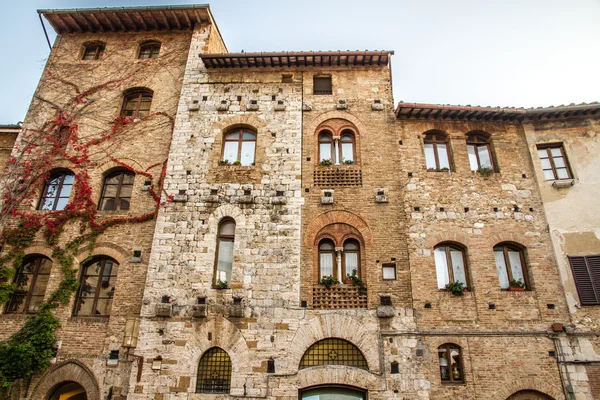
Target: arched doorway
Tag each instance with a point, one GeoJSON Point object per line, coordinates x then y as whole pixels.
{"type": "Point", "coordinates": [332, 393]}
{"type": "Point", "coordinates": [69, 391]}
{"type": "Point", "coordinates": [529, 395]}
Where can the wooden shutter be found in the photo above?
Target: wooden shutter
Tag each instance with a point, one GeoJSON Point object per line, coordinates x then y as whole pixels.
{"type": "Point", "coordinates": [322, 85]}
{"type": "Point", "coordinates": [586, 271]}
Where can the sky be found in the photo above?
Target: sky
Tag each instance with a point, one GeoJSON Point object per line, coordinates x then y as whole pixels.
{"type": "Point", "coordinates": [521, 53]}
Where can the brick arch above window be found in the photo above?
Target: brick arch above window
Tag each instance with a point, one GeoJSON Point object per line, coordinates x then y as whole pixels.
{"type": "Point", "coordinates": [316, 225]}
{"type": "Point", "coordinates": [336, 115]}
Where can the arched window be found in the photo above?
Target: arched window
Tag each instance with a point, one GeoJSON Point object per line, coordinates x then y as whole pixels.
{"type": "Point", "coordinates": [510, 264]}
{"type": "Point", "coordinates": [347, 147]}
{"type": "Point", "coordinates": [116, 191]}
{"type": "Point", "coordinates": [330, 392]}
{"type": "Point", "coordinates": [479, 149]}
{"type": "Point", "coordinates": [69, 390]}
{"type": "Point", "coordinates": [224, 253]}
{"type": "Point", "coordinates": [57, 190]}
{"type": "Point", "coordinates": [326, 146]}
{"type": "Point", "coordinates": [333, 351]}
{"type": "Point", "coordinates": [31, 280]}
{"type": "Point", "coordinates": [239, 147]}
{"type": "Point", "coordinates": [436, 150]}
{"type": "Point", "coordinates": [326, 258]}
{"type": "Point", "coordinates": [96, 287]}
{"type": "Point", "coordinates": [93, 51]}
{"type": "Point", "coordinates": [136, 103]}
{"type": "Point", "coordinates": [149, 50]}
{"type": "Point", "coordinates": [214, 372]}
{"type": "Point", "coordinates": [351, 258]}
{"type": "Point", "coordinates": [451, 369]}
{"type": "Point", "coordinates": [450, 264]}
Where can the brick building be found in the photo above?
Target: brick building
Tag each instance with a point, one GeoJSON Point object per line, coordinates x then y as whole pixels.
{"type": "Point", "coordinates": [312, 239]}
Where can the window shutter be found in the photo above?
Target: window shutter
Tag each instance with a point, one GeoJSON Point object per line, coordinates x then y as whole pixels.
{"type": "Point", "coordinates": [586, 271]}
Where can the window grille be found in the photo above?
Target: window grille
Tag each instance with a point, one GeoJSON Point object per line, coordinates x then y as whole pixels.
{"type": "Point", "coordinates": [214, 372]}
{"type": "Point", "coordinates": [333, 351]}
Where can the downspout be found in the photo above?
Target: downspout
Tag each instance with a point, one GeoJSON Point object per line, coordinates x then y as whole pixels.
{"type": "Point", "coordinates": [565, 380]}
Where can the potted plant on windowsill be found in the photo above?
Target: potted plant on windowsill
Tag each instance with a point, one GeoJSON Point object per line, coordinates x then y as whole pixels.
{"type": "Point", "coordinates": [328, 281]}
{"type": "Point", "coordinates": [325, 163]}
{"type": "Point", "coordinates": [356, 281]}
{"type": "Point", "coordinates": [516, 285]}
{"type": "Point", "coordinates": [457, 288]}
{"type": "Point", "coordinates": [486, 172]}
{"type": "Point", "coordinates": [221, 285]}
{"type": "Point", "coordinates": [223, 162]}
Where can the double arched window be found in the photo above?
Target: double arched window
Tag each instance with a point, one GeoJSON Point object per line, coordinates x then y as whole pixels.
{"type": "Point", "coordinates": [136, 102]}
{"type": "Point", "coordinates": [450, 264]}
{"type": "Point", "coordinates": [510, 265]}
{"type": "Point", "coordinates": [149, 49]}
{"type": "Point", "coordinates": [337, 143]}
{"type": "Point", "coordinates": [340, 263]}
{"type": "Point", "coordinates": [224, 252]}
{"type": "Point", "coordinates": [117, 190]}
{"type": "Point", "coordinates": [93, 51]}
{"type": "Point", "coordinates": [57, 190]}
{"type": "Point", "coordinates": [96, 287]}
{"type": "Point", "coordinates": [451, 365]}
{"type": "Point", "coordinates": [436, 150]}
{"type": "Point", "coordinates": [479, 149]}
{"type": "Point", "coordinates": [30, 282]}
{"type": "Point", "coordinates": [239, 147]}
{"type": "Point", "coordinates": [214, 372]}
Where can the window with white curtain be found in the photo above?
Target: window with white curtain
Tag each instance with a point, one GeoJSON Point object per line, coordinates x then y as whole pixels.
{"type": "Point", "coordinates": [450, 265]}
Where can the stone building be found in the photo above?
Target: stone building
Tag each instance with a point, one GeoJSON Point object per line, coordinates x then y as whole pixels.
{"type": "Point", "coordinates": [312, 239]}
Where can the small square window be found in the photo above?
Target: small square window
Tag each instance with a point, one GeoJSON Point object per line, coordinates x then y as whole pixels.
{"type": "Point", "coordinates": [554, 162]}
{"type": "Point", "coordinates": [322, 85]}
{"type": "Point", "coordinates": [389, 271]}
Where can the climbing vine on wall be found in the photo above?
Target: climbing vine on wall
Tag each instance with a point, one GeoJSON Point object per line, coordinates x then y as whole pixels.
{"type": "Point", "coordinates": [36, 152]}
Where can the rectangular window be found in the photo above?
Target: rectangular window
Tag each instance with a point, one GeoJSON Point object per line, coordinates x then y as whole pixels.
{"type": "Point", "coordinates": [586, 271]}
{"type": "Point", "coordinates": [554, 162]}
{"type": "Point", "coordinates": [389, 271]}
{"type": "Point", "coordinates": [322, 85]}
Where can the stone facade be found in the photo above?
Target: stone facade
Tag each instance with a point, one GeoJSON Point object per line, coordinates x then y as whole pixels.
{"type": "Point", "coordinates": [336, 186]}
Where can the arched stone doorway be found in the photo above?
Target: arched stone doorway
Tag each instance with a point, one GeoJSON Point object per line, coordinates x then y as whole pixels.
{"type": "Point", "coordinates": [69, 391]}
{"type": "Point", "coordinates": [529, 395]}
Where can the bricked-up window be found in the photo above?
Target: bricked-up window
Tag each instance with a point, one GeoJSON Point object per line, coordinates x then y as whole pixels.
{"type": "Point", "coordinates": [239, 146]}
{"type": "Point", "coordinates": [57, 190]}
{"type": "Point", "coordinates": [351, 259]}
{"type": "Point", "coordinates": [322, 85]}
{"type": "Point", "coordinates": [30, 282]}
{"type": "Point", "coordinates": [326, 258]}
{"type": "Point", "coordinates": [436, 150]}
{"type": "Point", "coordinates": [93, 51]}
{"type": "Point", "coordinates": [554, 162]}
{"type": "Point", "coordinates": [116, 192]}
{"type": "Point", "coordinates": [214, 372]}
{"type": "Point", "coordinates": [97, 287]}
{"type": "Point", "coordinates": [510, 264]}
{"type": "Point", "coordinates": [586, 271]}
{"type": "Point", "coordinates": [136, 103]}
{"type": "Point", "coordinates": [149, 50]}
{"type": "Point", "coordinates": [450, 264]}
{"type": "Point", "coordinates": [451, 369]}
{"type": "Point", "coordinates": [325, 146]}
{"type": "Point", "coordinates": [333, 351]}
{"type": "Point", "coordinates": [224, 252]}
{"type": "Point", "coordinates": [479, 149]}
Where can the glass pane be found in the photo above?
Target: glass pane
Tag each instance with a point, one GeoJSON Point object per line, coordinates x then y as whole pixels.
{"type": "Point", "coordinates": [443, 156]}
{"type": "Point", "coordinates": [542, 153]}
{"type": "Point", "coordinates": [230, 151]}
{"type": "Point", "coordinates": [34, 303]}
{"type": "Point", "coordinates": [227, 228]}
{"type": "Point", "coordinates": [103, 307]}
{"type": "Point", "coordinates": [389, 273]}
{"type": "Point", "coordinates": [17, 303]}
{"type": "Point", "coordinates": [556, 152]}
{"type": "Point", "coordinates": [326, 264]}
{"type": "Point", "coordinates": [350, 246]}
{"type": "Point", "coordinates": [441, 267]}
{"type": "Point", "coordinates": [61, 203]}
{"type": "Point", "coordinates": [347, 152]}
{"type": "Point", "coordinates": [233, 136]}
{"type": "Point", "coordinates": [108, 204]}
{"type": "Point", "coordinates": [548, 175]}
{"type": "Point", "coordinates": [126, 191]}
{"type": "Point", "coordinates": [324, 151]}
{"type": "Point", "coordinates": [84, 307]}
{"type": "Point", "coordinates": [326, 246]}
{"type": "Point", "coordinates": [128, 179]}
{"type": "Point", "coordinates": [501, 268]}
{"type": "Point", "coordinates": [225, 261]}
{"type": "Point", "coordinates": [247, 156]}
{"type": "Point", "coordinates": [458, 267]}
{"type": "Point", "coordinates": [47, 204]}
{"type": "Point", "coordinates": [45, 266]}
{"type": "Point", "coordinates": [472, 158]}
{"type": "Point", "coordinates": [23, 282]}
{"type": "Point", "coordinates": [40, 285]}
{"type": "Point", "coordinates": [559, 162]}
{"type": "Point", "coordinates": [562, 173]}
{"type": "Point", "coordinates": [123, 204]}
{"type": "Point", "coordinates": [93, 269]}
{"type": "Point", "coordinates": [485, 161]}
{"type": "Point", "coordinates": [248, 136]}
{"type": "Point", "coordinates": [444, 364]}
{"type": "Point", "coordinates": [351, 260]}
{"type": "Point", "coordinates": [113, 180]}
{"type": "Point", "coordinates": [68, 179]}
{"type": "Point", "coordinates": [546, 163]}
{"type": "Point", "coordinates": [514, 257]}
{"type": "Point", "coordinates": [52, 191]}
{"type": "Point", "coordinates": [429, 156]}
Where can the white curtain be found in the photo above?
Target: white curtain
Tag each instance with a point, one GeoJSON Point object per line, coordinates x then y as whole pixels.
{"type": "Point", "coordinates": [501, 268]}
{"type": "Point", "coordinates": [326, 263]}
{"type": "Point", "coordinates": [458, 266]}
{"type": "Point", "coordinates": [514, 257]}
{"type": "Point", "coordinates": [247, 156]}
{"type": "Point", "coordinates": [429, 156]}
{"type": "Point", "coordinates": [351, 263]}
{"type": "Point", "coordinates": [225, 261]}
{"type": "Point", "coordinates": [230, 151]}
{"type": "Point", "coordinates": [441, 267]}
{"type": "Point", "coordinates": [472, 158]}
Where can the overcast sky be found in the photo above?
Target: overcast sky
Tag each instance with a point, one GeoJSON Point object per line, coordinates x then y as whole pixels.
{"type": "Point", "coordinates": [525, 53]}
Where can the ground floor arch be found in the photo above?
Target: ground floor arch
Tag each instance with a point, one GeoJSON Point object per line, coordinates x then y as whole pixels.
{"type": "Point", "coordinates": [65, 381]}
{"type": "Point", "coordinates": [529, 395]}
{"type": "Point", "coordinates": [332, 392]}
{"type": "Point", "coordinates": [69, 391]}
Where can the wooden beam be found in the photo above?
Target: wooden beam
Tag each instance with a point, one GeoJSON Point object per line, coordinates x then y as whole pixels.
{"type": "Point", "coordinates": [79, 28]}
{"type": "Point", "coordinates": [187, 19]}
{"type": "Point", "coordinates": [176, 18]}
{"type": "Point", "coordinates": [153, 20]}
{"type": "Point", "coordinates": [87, 23]}
{"type": "Point", "coordinates": [162, 14]}
{"type": "Point", "coordinates": [95, 20]}
{"type": "Point", "coordinates": [120, 23]}
{"type": "Point", "coordinates": [64, 23]}
{"type": "Point", "coordinates": [142, 20]}
{"type": "Point", "coordinates": [132, 22]}
{"type": "Point", "coordinates": [198, 17]}
{"type": "Point", "coordinates": [112, 27]}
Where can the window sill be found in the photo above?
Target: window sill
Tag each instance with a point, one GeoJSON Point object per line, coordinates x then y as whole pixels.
{"type": "Point", "coordinates": [438, 170]}
{"type": "Point", "coordinates": [90, 319]}
{"type": "Point", "coordinates": [236, 166]}
{"type": "Point", "coordinates": [562, 183]}
{"type": "Point", "coordinates": [21, 316]}
{"type": "Point", "coordinates": [454, 383]}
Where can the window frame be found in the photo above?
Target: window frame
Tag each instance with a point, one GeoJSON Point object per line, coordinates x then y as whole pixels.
{"type": "Point", "coordinates": [448, 347]}
{"type": "Point", "coordinates": [524, 270]}
{"type": "Point", "coordinates": [117, 199]}
{"type": "Point", "coordinates": [448, 247]}
{"type": "Point", "coordinates": [62, 173]}
{"type": "Point", "coordinates": [96, 297]}
{"type": "Point", "coordinates": [225, 238]}
{"type": "Point", "coordinates": [585, 276]}
{"type": "Point", "coordinates": [207, 372]}
{"type": "Point", "coordinates": [136, 95]}
{"type": "Point", "coordinates": [548, 148]}
{"type": "Point", "coordinates": [344, 252]}
{"type": "Point", "coordinates": [443, 139]}
{"type": "Point", "coordinates": [326, 134]}
{"type": "Point", "coordinates": [240, 142]}
{"type": "Point", "coordinates": [154, 47]}
{"type": "Point", "coordinates": [322, 92]}
{"type": "Point", "coordinates": [98, 47]}
{"type": "Point", "coordinates": [333, 257]}
{"type": "Point", "coordinates": [37, 260]}
{"type": "Point", "coordinates": [347, 133]}
{"type": "Point", "coordinates": [476, 140]}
